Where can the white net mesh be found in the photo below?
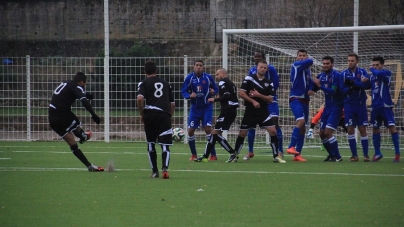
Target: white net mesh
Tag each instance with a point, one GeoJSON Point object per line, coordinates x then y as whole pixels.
{"type": "Point", "coordinates": [281, 49]}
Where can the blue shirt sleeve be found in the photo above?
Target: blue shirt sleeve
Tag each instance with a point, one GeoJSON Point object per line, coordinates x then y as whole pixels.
{"type": "Point", "coordinates": [274, 76]}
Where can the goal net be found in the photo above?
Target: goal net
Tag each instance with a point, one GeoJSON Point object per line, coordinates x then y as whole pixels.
{"type": "Point", "coordinates": [280, 47]}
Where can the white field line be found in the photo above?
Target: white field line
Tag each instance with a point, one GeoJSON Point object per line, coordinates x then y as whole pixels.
{"type": "Point", "coordinates": [172, 153]}
{"type": "Point", "coordinates": [37, 169]}
{"type": "Point", "coordinates": [4, 158]}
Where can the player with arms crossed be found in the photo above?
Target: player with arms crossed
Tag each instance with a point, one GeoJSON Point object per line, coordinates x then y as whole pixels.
{"type": "Point", "coordinates": [328, 82]}
{"type": "Point", "coordinates": [257, 91]}
{"type": "Point", "coordinates": [301, 88]}
{"type": "Point", "coordinates": [273, 107]}
{"type": "Point", "coordinates": [65, 123]}
{"type": "Point", "coordinates": [382, 107]}
{"type": "Point", "coordinates": [198, 87]}
{"type": "Point", "coordinates": [228, 113]}
{"type": "Point", "coordinates": [355, 111]}
{"type": "Point", "coordinates": [159, 105]}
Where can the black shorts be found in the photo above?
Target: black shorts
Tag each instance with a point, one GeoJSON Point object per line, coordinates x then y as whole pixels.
{"type": "Point", "coordinates": [250, 120]}
{"type": "Point", "coordinates": [157, 127]}
{"type": "Point", "coordinates": [225, 119]}
{"type": "Point", "coordinates": [63, 123]}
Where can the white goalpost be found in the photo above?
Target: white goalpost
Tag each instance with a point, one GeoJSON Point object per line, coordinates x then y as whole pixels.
{"type": "Point", "coordinates": [281, 45]}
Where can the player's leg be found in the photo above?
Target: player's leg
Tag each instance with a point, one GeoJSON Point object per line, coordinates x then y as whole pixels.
{"type": "Point", "coordinates": [314, 121]}
{"type": "Point", "coordinates": [297, 111]}
{"type": "Point", "coordinates": [165, 139]}
{"type": "Point", "coordinates": [248, 121]}
{"type": "Point", "coordinates": [228, 118]}
{"type": "Point", "coordinates": [350, 122]}
{"type": "Point", "coordinates": [331, 127]}
{"type": "Point", "coordinates": [302, 126]}
{"type": "Point", "coordinates": [152, 132]}
{"type": "Point", "coordinates": [207, 124]}
{"type": "Point", "coordinates": [362, 115]}
{"type": "Point", "coordinates": [194, 118]}
{"type": "Point", "coordinates": [274, 112]}
{"type": "Point", "coordinates": [269, 126]}
{"type": "Point", "coordinates": [391, 124]}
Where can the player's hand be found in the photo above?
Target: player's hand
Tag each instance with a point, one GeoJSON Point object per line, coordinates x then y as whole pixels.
{"type": "Point", "coordinates": [193, 95]}
{"type": "Point", "coordinates": [317, 82]}
{"type": "Point", "coordinates": [96, 119]}
{"type": "Point", "coordinates": [212, 91]}
{"type": "Point", "coordinates": [256, 104]}
{"type": "Point", "coordinates": [254, 93]}
{"type": "Point", "coordinates": [349, 82]}
{"type": "Point", "coordinates": [310, 92]}
{"type": "Point", "coordinates": [364, 79]}
{"type": "Point", "coordinates": [89, 96]}
{"type": "Point", "coordinates": [211, 99]}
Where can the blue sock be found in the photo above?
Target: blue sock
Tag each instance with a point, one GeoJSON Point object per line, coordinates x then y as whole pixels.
{"type": "Point", "coordinates": [365, 145]}
{"type": "Point", "coordinates": [327, 147]}
{"type": "Point", "coordinates": [352, 145]}
{"type": "Point", "coordinates": [295, 135]}
{"type": "Point", "coordinates": [334, 147]}
{"type": "Point", "coordinates": [394, 137]}
{"type": "Point", "coordinates": [300, 143]}
{"type": "Point", "coordinates": [251, 138]}
{"type": "Point", "coordinates": [213, 151]}
{"type": "Point", "coordinates": [191, 143]}
{"type": "Point", "coordinates": [376, 143]}
{"type": "Point", "coordinates": [280, 139]}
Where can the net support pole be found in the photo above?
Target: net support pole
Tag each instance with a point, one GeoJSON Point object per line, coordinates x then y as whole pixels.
{"type": "Point", "coordinates": [106, 72]}
{"type": "Point", "coordinates": [225, 50]}
{"type": "Point", "coordinates": [28, 72]}
{"type": "Point", "coordinates": [355, 44]}
{"type": "Point", "coordinates": [185, 114]}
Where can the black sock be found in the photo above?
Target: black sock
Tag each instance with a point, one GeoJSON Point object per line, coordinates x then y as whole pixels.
{"type": "Point", "coordinates": [209, 146]}
{"type": "Point", "coordinates": [152, 156]}
{"type": "Point", "coordinates": [239, 144]}
{"type": "Point", "coordinates": [312, 125]}
{"type": "Point", "coordinates": [81, 135]}
{"type": "Point", "coordinates": [223, 142]}
{"type": "Point", "coordinates": [165, 156]}
{"type": "Point", "coordinates": [77, 152]}
{"type": "Point", "coordinates": [274, 145]}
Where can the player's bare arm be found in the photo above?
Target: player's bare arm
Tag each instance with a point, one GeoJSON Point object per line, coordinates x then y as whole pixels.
{"type": "Point", "coordinates": [266, 98]}
{"type": "Point", "coordinates": [140, 105]}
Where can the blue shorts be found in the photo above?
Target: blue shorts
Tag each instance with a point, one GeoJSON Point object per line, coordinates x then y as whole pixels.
{"type": "Point", "coordinates": [273, 109]}
{"type": "Point", "coordinates": [200, 114]}
{"type": "Point", "coordinates": [384, 114]}
{"type": "Point", "coordinates": [355, 115]}
{"type": "Point", "coordinates": [330, 117]}
{"type": "Point", "coordinates": [299, 109]}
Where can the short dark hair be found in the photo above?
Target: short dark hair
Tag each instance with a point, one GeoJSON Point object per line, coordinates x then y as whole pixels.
{"type": "Point", "coordinates": [199, 60]}
{"type": "Point", "coordinates": [263, 61]}
{"type": "Point", "coordinates": [261, 52]}
{"type": "Point", "coordinates": [80, 77]}
{"type": "Point", "coordinates": [378, 58]}
{"type": "Point", "coordinates": [301, 51]}
{"type": "Point", "coordinates": [329, 58]}
{"type": "Point", "coordinates": [150, 67]}
{"type": "Point", "coordinates": [353, 55]}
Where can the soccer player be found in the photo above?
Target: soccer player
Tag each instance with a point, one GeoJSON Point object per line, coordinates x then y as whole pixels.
{"type": "Point", "coordinates": [273, 107]}
{"type": "Point", "coordinates": [257, 91]}
{"type": "Point", "coordinates": [328, 82]}
{"type": "Point", "coordinates": [299, 101]}
{"type": "Point", "coordinates": [228, 112]}
{"type": "Point", "coordinates": [65, 123]}
{"type": "Point", "coordinates": [199, 87]}
{"type": "Point", "coordinates": [382, 107]}
{"type": "Point", "coordinates": [356, 113]}
{"type": "Point", "coordinates": [159, 105]}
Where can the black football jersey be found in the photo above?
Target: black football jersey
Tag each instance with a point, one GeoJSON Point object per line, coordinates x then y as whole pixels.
{"type": "Point", "coordinates": [227, 94]}
{"type": "Point", "coordinates": [65, 95]}
{"type": "Point", "coordinates": [158, 94]}
{"type": "Point", "coordinates": [263, 86]}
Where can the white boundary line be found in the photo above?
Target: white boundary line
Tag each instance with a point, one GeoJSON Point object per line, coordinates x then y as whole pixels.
{"type": "Point", "coordinates": [37, 169]}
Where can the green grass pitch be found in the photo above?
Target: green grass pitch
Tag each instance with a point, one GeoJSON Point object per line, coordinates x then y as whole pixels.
{"type": "Point", "coordinates": [43, 184]}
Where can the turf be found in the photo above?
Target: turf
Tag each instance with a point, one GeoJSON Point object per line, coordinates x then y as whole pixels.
{"type": "Point", "coordinates": [43, 184]}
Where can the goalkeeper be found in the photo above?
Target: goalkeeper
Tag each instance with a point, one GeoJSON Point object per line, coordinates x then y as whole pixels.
{"type": "Point", "coordinates": [316, 119]}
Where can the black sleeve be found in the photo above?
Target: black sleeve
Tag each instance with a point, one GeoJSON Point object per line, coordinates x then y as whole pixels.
{"type": "Point", "coordinates": [88, 106]}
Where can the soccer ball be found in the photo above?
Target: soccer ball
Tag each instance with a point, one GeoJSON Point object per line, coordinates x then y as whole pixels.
{"type": "Point", "coordinates": [178, 134]}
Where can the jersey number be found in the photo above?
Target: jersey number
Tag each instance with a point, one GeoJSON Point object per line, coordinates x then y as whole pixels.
{"type": "Point", "coordinates": [60, 88]}
{"type": "Point", "coordinates": [159, 90]}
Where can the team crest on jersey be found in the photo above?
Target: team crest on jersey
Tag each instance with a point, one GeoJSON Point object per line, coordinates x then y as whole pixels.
{"type": "Point", "coordinates": [203, 81]}
{"type": "Point", "coordinates": [358, 75]}
{"type": "Point", "coordinates": [199, 88]}
{"type": "Point", "coordinates": [266, 84]}
{"type": "Point", "coordinates": [376, 84]}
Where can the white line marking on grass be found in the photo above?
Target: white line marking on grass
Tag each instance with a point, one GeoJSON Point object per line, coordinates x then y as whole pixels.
{"type": "Point", "coordinates": [38, 169]}
{"type": "Point", "coordinates": [4, 158]}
